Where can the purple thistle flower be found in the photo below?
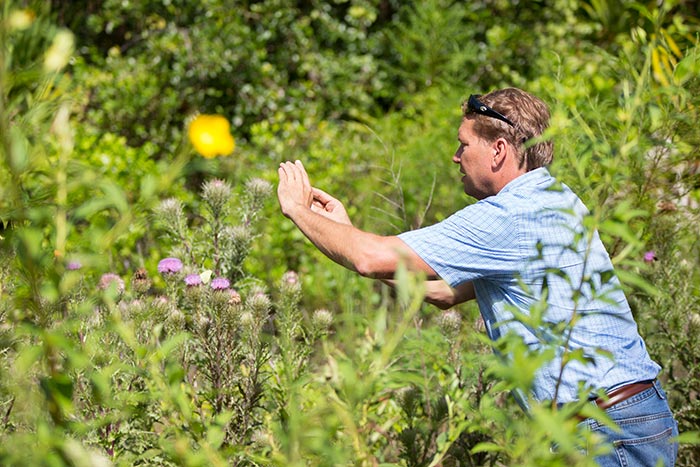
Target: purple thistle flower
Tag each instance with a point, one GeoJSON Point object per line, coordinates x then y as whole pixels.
{"type": "Point", "coordinates": [650, 256]}
{"type": "Point", "coordinates": [169, 266]}
{"type": "Point", "coordinates": [193, 279]}
{"type": "Point", "coordinates": [220, 283]}
{"type": "Point", "coordinates": [73, 265]}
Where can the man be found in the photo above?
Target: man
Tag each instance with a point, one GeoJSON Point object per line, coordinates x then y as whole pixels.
{"type": "Point", "coordinates": [523, 243]}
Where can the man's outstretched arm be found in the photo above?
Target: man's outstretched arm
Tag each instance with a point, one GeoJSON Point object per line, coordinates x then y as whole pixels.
{"type": "Point", "coordinates": [324, 222]}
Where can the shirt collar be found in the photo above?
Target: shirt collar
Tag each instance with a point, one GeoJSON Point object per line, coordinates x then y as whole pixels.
{"type": "Point", "coordinates": [533, 177]}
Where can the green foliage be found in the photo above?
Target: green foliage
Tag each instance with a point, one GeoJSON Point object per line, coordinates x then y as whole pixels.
{"type": "Point", "coordinates": [148, 371]}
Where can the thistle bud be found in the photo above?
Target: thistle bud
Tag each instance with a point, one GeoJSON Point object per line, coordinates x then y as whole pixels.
{"type": "Point", "coordinates": [247, 319]}
{"type": "Point", "coordinates": [176, 319]}
{"type": "Point", "coordinates": [694, 322]}
{"type": "Point", "coordinates": [450, 323]}
{"type": "Point", "coordinates": [259, 302]}
{"type": "Point", "coordinates": [133, 309]}
{"type": "Point", "coordinates": [258, 187]}
{"type": "Point", "coordinates": [203, 323]}
{"type": "Point", "coordinates": [237, 237]}
{"type": "Point", "coordinates": [160, 305]}
{"type": "Point", "coordinates": [322, 320]}
{"type": "Point", "coordinates": [290, 283]}
{"type": "Point", "coordinates": [170, 212]}
{"type": "Point", "coordinates": [140, 283]}
{"type": "Point", "coordinates": [257, 190]}
{"type": "Point", "coordinates": [216, 193]}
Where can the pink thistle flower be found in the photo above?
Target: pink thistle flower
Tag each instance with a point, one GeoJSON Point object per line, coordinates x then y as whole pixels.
{"type": "Point", "coordinates": [290, 277]}
{"type": "Point", "coordinates": [73, 265]}
{"type": "Point", "coordinates": [169, 266]}
{"type": "Point", "coordinates": [650, 256]}
{"type": "Point", "coordinates": [108, 279]}
{"type": "Point", "coordinates": [220, 283]}
{"type": "Point", "coordinates": [193, 280]}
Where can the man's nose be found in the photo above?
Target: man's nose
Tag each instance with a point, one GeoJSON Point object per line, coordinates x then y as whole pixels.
{"type": "Point", "coordinates": [457, 157]}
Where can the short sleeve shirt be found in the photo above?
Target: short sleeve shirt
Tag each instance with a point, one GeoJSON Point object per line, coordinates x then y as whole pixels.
{"type": "Point", "coordinates": [528, 245]}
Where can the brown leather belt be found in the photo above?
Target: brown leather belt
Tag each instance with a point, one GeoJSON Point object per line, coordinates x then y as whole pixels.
{"type": "Point", "coordinates": [623, 393]}
{"type": "Point", "coordinates": [620, 394]}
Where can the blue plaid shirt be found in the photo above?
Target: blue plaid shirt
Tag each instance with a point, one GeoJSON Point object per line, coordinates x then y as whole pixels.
{"type": "Point", "coordinates": [525, 245]}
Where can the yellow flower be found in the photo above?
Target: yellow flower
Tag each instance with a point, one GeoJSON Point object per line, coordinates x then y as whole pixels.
{"type": "Point", "coordinates": [211, 136]}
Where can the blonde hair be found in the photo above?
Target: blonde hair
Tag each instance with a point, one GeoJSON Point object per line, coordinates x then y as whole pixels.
{"type": "Point", "coordinates": [531, 118]}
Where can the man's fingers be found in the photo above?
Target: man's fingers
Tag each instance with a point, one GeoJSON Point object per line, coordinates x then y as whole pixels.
{"type": "Point", "coordinates": [282, 173]}
{"type": "Point", "coordinates": [321, 195]}
{"type": "Point", "coordinates": [301, 174]}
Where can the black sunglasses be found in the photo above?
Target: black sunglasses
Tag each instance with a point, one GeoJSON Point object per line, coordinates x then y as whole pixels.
{"type": "Point", "coordinates": [475, 105]}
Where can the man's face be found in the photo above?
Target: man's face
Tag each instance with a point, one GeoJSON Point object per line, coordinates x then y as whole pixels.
{"type": "Point", "coordinates": [474, 156]}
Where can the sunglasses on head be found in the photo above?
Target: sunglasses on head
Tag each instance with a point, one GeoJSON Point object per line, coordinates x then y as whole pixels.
{"type": "Point", "coordinates": [475, 105]}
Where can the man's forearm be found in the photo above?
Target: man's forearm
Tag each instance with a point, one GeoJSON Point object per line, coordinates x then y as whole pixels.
{"type": "Point", "coordinates": [366, 253]}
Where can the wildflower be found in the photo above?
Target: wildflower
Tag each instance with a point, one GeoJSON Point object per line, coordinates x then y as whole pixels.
{"type": "Point", "coordinates": [210, 135]}
{"type": "Point", "coordinates": [216, 193]}
{"type": "Point", "coordinates": [257, 190]}
{"type": "Point", "coordinates": [193, 291]}
{"type": "Point", "coordinates": [694, 322]}
{"type": "Point", "coordinates": [237, 238]}
{"type": "Point", "coordinates": [290, 278]}
{"type": "Point", "coordinates": [650, 256]}
{"type": "Point", "coordinates": [160, 304]}
{"type": "Point", "coordinates": [290, 283]}
{"type": "Point", "coordinates": [258, 301]}
{"type": "Point", "coordinates": [171, 213]}
{"type": "Point", "coordinates": [133, 309]}
{"type": "Point", "coordinates": [322, 319]}
{"type": "Point", "coordinates": [204, 323]}
{"type": "Point", "coordinates": [247, 319]}
{"type": "Point", "coordinates": [140, 281]}
{"type": "Point", "coordinates": [176, 318]}
{"type": "Point", "coordinates": [73, 265]}
{"type": "Point", "coordinates": [258, 187]}
{"type": "Point", "coordinates": [450, 323]}
{"type": "Point", "coordinates": [220, 283]}
{"type": "Point", "coordinates": [169, 266]}
{"type": "Point", "coordinates": [234, 297]}
{"type": "Point", "coordinates": [108, 279]}
{"type": "Point", "coordinates": [193, 280]}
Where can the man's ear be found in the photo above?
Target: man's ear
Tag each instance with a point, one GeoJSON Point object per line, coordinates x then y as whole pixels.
{"type": "Point", "coordinates": [500, 149]}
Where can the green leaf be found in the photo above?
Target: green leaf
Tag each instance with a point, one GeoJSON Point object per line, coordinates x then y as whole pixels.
{"type": "Point", "coordinates": [486, 447]}
{"type": "Point", "coordinates": [689, 437]}
{"type": "Point", "coordinates": [635, 280]}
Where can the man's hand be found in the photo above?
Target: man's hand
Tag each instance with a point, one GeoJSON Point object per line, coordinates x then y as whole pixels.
{"type": "Point", "coordinates": [328, 206]}
{"type": "Point", "coordinates": [294, 190]}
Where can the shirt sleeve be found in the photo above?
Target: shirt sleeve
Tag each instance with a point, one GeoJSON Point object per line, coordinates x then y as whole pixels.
{"type": "Point", "coordinates": [479, 241]}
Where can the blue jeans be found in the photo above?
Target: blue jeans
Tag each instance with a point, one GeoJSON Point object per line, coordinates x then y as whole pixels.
{"type": "Point", "coordinates": [647, 431]}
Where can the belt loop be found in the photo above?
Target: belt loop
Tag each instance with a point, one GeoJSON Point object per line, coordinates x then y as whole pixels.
{"type": "Point", "coordinates": [659, 391]}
